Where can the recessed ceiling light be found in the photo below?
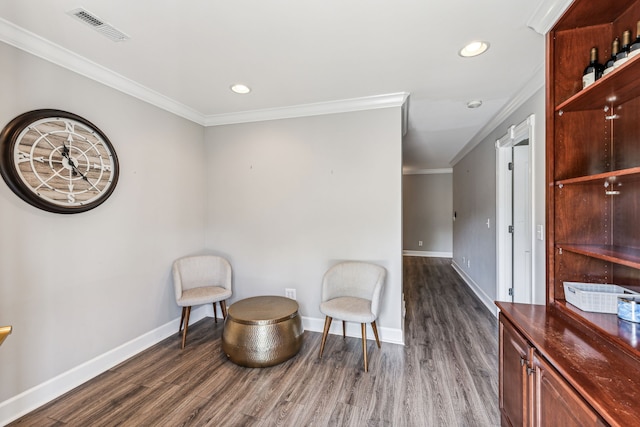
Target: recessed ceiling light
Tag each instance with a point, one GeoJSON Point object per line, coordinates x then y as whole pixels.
{"type": "Point", "coordinates": [241, 89]}
{"type": "Point", "coordinates": [474, 49]}
{"type": "Point", "coordinates": [474, 104]}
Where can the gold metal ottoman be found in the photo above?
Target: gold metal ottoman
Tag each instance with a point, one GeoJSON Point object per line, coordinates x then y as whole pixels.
{"type": "Point", "coordinates": [262, 331]}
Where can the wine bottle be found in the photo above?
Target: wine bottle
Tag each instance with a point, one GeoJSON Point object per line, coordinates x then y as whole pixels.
{"type": "Point", "coordinates": [608, 66]}
{"type": "Point", "coordinates": [623, 54]}
{"type": "Point", "coordinates": [593, 71]}
{"type": "Point", "coordinates": [634, 49]}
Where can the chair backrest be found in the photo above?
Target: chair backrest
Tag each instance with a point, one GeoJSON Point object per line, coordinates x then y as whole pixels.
{"type": "Point", "coordinates": [355, 279]}
{"type": "Point", "coordinates": [201, 270]}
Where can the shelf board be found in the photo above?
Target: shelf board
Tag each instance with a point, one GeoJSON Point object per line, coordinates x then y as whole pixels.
{"type": "Point", "coordinates": [617, 254]}
{"type": "Point", "coordinates": [616, 88]}
{"type": "Point", "coordinates": [631, 172]}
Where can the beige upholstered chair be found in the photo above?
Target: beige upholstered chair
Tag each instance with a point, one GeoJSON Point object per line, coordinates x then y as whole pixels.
{"type": "Point", "coordinates": [351, 292]}
{"type": "Point", "coordinates": [200, 280]}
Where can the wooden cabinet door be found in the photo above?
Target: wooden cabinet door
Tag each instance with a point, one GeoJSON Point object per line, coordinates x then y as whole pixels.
{"type": "Point", "coordinates": [557, 403]}
{"type": "Point", "coordinates": [514, 388]}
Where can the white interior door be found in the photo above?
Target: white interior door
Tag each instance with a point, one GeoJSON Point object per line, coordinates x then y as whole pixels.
{"type": "Point", "coordinates": [521, 271]}
{"type": "Point", "coordinates": [516, 252]}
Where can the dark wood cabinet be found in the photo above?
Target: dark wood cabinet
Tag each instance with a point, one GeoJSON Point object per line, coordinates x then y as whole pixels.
{"type": "Point", "coordinates": [532, 392]}
{"type": "Point", "coordinates": [582, 368]}
{"type": "Point", "coordinates": [556, 372]}
{"type": "Point", "coordinates": [556, 402]}
{"type": "Point", "coordinates": [515, 387]}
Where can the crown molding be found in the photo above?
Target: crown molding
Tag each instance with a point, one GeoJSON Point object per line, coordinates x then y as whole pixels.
{"type": "Point", "coordinates": [535, 83]}
{"type": "Point", "coordinates": [32, 43]}
{"type": "Point", "coordinates": [547, 13]}
{"type": "Point", "coordinates": [43, 48]}
{"type": "Point", "coordinates": [427, 171]}
{"type": "Point", "coordinates": [399, 99]}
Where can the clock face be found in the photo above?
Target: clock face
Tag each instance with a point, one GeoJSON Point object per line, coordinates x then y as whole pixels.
{"type": "Point", "coordinates": [57, 161]}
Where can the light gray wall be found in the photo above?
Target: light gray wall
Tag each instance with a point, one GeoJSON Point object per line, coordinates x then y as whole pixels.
{"type": "Point", "coordinates": [284, 200]}
{"type": "Point", "coordinates": [427, 212]}
{"type": "Point", "coordinates": [77, 286]}
{"type": "Point", "coordinates": [474, 201]}
{"type": "Point", "coordinates": [290, 198]}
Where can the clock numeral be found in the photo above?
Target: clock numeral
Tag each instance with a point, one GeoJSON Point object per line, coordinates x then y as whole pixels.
{"type": "Point", "coordinates": [26, 157]}
{"type": "Point", "coordinates": [71, 198]}
{"type": "Point", "coordinates": [104, 168]}
{"type": "Point", "coordinates": [69, 127]}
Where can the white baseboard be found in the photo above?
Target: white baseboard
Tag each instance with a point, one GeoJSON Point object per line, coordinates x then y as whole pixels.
{"type": "Point", "coordinates": [37, 396]}
{"type": "Point", "coordinates": [428, 254]}
{"type": "Point", "coordinates": [390, 335]}
{"type": "Point", "coordinates": [488, 302]}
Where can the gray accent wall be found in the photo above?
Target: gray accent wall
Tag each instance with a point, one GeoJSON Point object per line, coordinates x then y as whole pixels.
{"type": "Point", "coordinates": [427, 202]}
{"type": "Point", "coordinates": [474, 202]}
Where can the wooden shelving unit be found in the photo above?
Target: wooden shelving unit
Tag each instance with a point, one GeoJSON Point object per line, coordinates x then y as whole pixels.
{"type": "Point", "coordinates": [558, 357]}
{"type": "Point", "coordinates": [593, 153]}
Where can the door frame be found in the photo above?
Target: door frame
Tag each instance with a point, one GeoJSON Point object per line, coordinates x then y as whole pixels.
{"type": "Point", "coordinates": [514, 135]}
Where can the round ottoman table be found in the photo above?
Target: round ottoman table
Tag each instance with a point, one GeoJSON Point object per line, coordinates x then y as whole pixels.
{"type": "Point", "coordinates": [262, 331]}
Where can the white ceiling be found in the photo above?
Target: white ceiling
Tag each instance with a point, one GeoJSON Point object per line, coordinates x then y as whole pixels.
{"type": "Point", "coordinates": [294, 53]}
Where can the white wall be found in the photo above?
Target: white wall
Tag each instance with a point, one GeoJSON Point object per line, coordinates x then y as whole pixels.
{"type": "Point", "coordinates": [77, 286]}
{"type": "Point", "coordinates": [290, 198]}
{"type": "Point", "coordinates": [427, 213]}
{"type": "Point", "coordinates": [474, 201]}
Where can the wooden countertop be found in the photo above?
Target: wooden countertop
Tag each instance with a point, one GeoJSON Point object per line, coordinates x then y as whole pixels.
{"type": "Point", "coordinates": [606, 377]}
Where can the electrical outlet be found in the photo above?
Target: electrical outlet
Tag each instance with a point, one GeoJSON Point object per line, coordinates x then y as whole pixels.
{"type": "Point", "coordinates": [290, 293]}
{"type": "Point", "coordinates": [419, 242]}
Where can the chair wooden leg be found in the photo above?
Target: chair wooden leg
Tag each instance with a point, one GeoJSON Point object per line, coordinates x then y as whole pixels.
{"type": "Point", "coordinates": [344, 329]}
{"type": "Point", "coordinates": [364, 346]}
{"type": "Point", "coordinates": [184, 310]}
{"type": "Point", "coordinates": [186, 326]}
{"type": "Point", "coordinates": [223, 307]}
{"type": "Point", "coordinates": [215, 313]}
{"type": "Point", "coordinates": [327, 325]}
{"type": "Point", "coordinates": [375, 332]}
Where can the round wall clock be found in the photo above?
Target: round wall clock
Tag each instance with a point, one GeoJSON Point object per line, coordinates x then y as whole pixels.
{"type": "Point", "coordinates": [57, 161]}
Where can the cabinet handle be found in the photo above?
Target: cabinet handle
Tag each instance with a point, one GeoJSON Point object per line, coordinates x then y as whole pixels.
{"type": "Point", "coordinates": [530, 371]}
{"type": "Point", "coordinates": [522, 361]}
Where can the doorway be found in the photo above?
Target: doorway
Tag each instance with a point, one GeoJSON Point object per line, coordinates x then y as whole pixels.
{"type": "Point", "coordinates": [514, 214]}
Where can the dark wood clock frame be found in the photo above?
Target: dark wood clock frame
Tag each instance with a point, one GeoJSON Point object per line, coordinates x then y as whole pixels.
{"type": "Point", "coordinates": [8, 168]}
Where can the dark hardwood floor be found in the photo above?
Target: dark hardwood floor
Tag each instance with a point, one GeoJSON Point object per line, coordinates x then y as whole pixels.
{"type": "Point", "coordinates": [445, 375]}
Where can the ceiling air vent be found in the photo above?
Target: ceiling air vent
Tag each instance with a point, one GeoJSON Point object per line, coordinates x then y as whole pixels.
{"type": "Point", "coordinates": [99, 25]}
